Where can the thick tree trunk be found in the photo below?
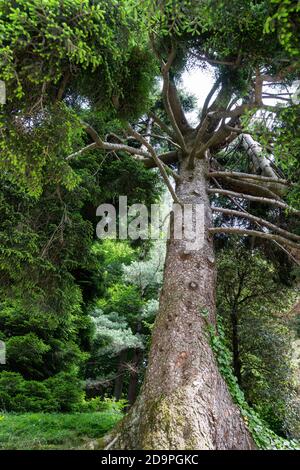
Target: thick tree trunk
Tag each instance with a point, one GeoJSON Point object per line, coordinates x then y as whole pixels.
{"type": "Point", "coordinates": [184, 402]}
{"type": "Point", "coordinates": [235, 345]}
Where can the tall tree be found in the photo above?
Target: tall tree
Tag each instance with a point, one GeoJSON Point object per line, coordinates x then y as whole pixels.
{"type": "Point", "coordinates": [184, 402]}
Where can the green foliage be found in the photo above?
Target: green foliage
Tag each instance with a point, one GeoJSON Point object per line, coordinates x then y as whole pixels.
{"type": "Point", "coordinates": [285, 21]}
{"type": "Point", "coordinates": [91, 54]}
{"type": "Point", "coordinates": [26, 353]}
{"type": "Point", "coordinates": [61, 392]}
{"type": "Point", "coordinates": [226, 29]}
{"type": "Point", "coordinates": [262, 435]}
{"type": "Point", "coordinates": [98, 405]}
{"type": "Point", "coordinates": [123, 316]}
{"type": "Point", "coordinates": [49, 36]}
{"type": "Point", "coordinates": [250, 294]}
{"type": "Point", "coordinates": [55, 431]}
{"type": "Point", "coordinates": [66, 389]}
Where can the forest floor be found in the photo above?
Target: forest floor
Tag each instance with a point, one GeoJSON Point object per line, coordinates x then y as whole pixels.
{"type": "Point", "coordinates": [54, 430]}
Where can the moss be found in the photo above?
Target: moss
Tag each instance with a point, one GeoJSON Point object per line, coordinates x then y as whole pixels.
{"type": "Point", "coordinates": [162, 419]}
{"type": "Point", "coordinates": [101, 443]}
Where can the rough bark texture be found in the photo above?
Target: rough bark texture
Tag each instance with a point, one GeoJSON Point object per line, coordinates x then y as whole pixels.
{"type": "Point", "coordinates": [184, 402]}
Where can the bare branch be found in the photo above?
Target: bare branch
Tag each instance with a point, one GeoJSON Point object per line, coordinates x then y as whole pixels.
{"type": "Point", "coordinates": [168, 107]}
{"type": "Point", "coordinates": [158, 162]}
{"type": "Point", "coordinates": [257, 220]}
{"type": "Point", "coordinates": [177, 108]}
{"type": "Point", "coordinates": [243, 210]}
{"type": "Point", "coordinates": [207, 100]}
{"type": "Point", "coordinates": [200, 134]}
{"type": "Point", "coordinates": [99, 143]}
{"type": "Point", "coordinates": [161, 137]}
{"type": "Point", "coordinates": [81, 151]}
{"type": "Point", "coordinates": [263, 200]}
{"type": "Point", "coordinates": [217, 138]}
{"type": "Point", "coordinates": [255, 233]}
{"type": "Point", "coordinates": [167, 158]}
{"type": "Point", "coordinates": [237, 130]}
{"type": "Point", "coordinates": [236, 174]}
{"type": "Point", "coordinates": [251, 187]}
{"type": "Point", "coordinates": [162, 125]}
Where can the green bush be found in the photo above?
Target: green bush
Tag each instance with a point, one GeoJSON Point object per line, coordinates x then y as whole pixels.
{"type": "Point", "coordinates": [97, 404]}
{"type": "Point", "coordinates": [26, 353]}
{"type": "Point", "coordinates": [66, 389]}
{"type": "Point", "coordinates": [34, 396]}
{"type": "Point", "coordinates": [61, 392]}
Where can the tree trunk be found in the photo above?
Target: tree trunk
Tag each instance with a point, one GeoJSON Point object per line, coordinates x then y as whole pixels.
{"type": "Point", "coordinates": [184, 402]}
{"type": "Point", "coordinates": [235, 345]}
{"type": "Point", "coordinates": [133, 380]}
{"type": "Point", "coordinates": [118, 385]}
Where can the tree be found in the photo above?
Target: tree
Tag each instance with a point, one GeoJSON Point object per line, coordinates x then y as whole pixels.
{"type": "Point", "coordinates": [123, 316]}
{"type": "Point", "coordinates": [254, 305]}
{"type": "Point", "coordinates": [184, 402]}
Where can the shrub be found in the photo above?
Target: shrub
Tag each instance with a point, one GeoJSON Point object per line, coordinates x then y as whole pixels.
{"type": "Point", "coordinates": [61, 392]}
{"type": "Point", "coordinates": [66, 389]}
{"type": "Point", "coordinates": [26, 354]}
{"type": "Point", "coordinates": [97, 404]}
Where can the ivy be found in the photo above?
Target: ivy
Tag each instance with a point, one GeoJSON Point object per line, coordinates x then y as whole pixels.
{"type": "Point", "coordinates": [264, 438]}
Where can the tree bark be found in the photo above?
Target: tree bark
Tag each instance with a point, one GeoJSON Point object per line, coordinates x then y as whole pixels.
{"type": "Point", "coordinates": [184, 402]}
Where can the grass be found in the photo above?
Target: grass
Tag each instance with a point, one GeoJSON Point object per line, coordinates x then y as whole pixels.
{"type": "Point", "coordinates": [53, 430]}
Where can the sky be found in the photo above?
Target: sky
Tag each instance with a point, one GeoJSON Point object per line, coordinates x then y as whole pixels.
{"type": "Point", "coordinates": [198, 82]}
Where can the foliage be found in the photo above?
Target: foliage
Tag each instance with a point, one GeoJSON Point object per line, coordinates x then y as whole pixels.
{"type": "Point", "coordinates": [58, 393]}
{"type": "Point", "coordinates": [102, 405]}
{"type": "Point", "coordinates": [285, 21]}
{"type": "Point", "coordinates": [123, 315]}
{"type": "Point", "coordinates": [249, 289]}
{"type": "Point", "coordinates": [86, 52]}
{"type": "Point", "coordinates": [262, 435]}
{"type": "Point", "coordinates": [56, 430]}
{"type": "Point", "coordinates": [73, 308]}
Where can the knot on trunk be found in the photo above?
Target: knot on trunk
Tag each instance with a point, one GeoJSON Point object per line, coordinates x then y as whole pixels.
{"type": "Point", "coordinates": [193, 285]}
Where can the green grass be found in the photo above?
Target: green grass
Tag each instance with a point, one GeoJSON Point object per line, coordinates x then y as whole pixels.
{"type": "Point", "coordinates": [54, 430]}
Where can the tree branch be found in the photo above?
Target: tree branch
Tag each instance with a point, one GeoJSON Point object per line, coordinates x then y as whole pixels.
{"type": "Point", "coordinates": [207, 100]}
{"type": "Point", "coordinates": [81, 151]}
{"type": "Point", "coordinates": [263, 200]}
{"type": "Point", "coordinates": [257, 220]}
{"type": "Point", "coordinates": [237, 204]}
{"type": "Point", "coordinates": [198, 140]}
{"type": "Point", "coordinates": [255, 233]}
{"type": "Point", "coordinates": [158, 162]}
{"type": "Point", "coordinates": [216, 139]}
{"type": "Point", "coordinates": [162, 125]}
{"type": "Point", "coordinates": [99, 143]}
{"type": "Point", "coordinates": [251, 187]}
{"type": "Point", "coordinates": [168, 107]}
{"type": "Point", "coordinates": [177, 108]}
{"type": "Point", "coordinates": [236, 174]}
